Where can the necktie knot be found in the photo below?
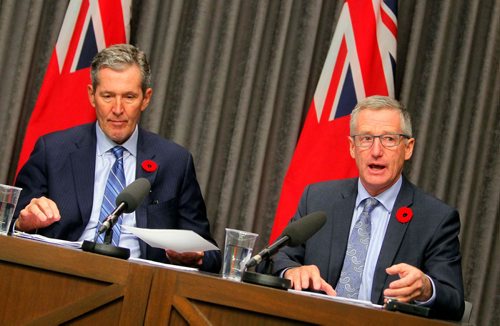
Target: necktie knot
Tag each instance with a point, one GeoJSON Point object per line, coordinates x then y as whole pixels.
{"type": "Point", "coordinates": [370, 204]}
{"type": "Point", "coordinates": [118, 151]}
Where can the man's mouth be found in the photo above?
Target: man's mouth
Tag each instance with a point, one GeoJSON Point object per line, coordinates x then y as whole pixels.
{"type": "Point", "coordinates": [376, 167]}
{"type": "Point", "coordinates": [117, 122]}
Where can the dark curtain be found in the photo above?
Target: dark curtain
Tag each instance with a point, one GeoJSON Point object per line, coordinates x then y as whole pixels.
{"type": "Point", "coordinates": [233, 81]}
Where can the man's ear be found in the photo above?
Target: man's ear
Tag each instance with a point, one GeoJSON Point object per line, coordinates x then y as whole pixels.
{"type": "Point", "coordinates": [146, 99]}
{"type": "Point", "coordinates": [90, 92]}
{"type": "Point", "coordinates": [351, 146]}
{"type": "Point", "coordinates": [410, 144]}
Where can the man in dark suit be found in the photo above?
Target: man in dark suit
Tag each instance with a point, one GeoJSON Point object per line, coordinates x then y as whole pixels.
{"type": "Point", "coordinates": [412, 253]}
{"type": "Point", "coordinates": [63, 181]}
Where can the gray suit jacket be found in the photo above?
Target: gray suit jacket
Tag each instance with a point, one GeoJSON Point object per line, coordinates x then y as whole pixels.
{"type": "Point", "coordinates": [429, 241]}
{"type": "Point", "coordinates": [62, 168]}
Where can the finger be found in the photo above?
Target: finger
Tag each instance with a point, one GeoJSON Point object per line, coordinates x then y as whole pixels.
{"type": "Point", "coordinates": [317, 282]}
{"type": "Point", "coordinates": [327, 288]}
{"type": "Point", "coordinates": [26, 221]}
{"type": "Point", "coordinates": [397, 293]}
{"type": "Point", "coordinates": [314, 278]}
{"type": "Point", "coordinates": [295, 278]}
{"type": "Point", "coordinates": [402, 282]}
{"type": "Point", "coordinates": [190, 255]}
{"type": "Point", "coordinates": [35, 215]}
{"type": "Point", "coordinates": [41, 205]}
{"type": "Point", "coordinates": [46, 206]}
{"type": "Point", "coordinates": [397, 269]}
{"type": "Point", "coordinates": [189, 258]}
{"type": "Point", "coordinates": [171, 253]}
{"type": "Point", "coordinates": [25, 215]}
{"type": "Point", "coordinates": [415, 294]}
{"type": "Point", "coordinates": [403, 294]}
{"type": "Point", "coordinates": [304, 280]}
{"type": "Point", "coordinates": [55, 211]}
{"type": "Point", "coordinates": [410, 296]}
{"type": "Point", "coordinates": [293, 275]}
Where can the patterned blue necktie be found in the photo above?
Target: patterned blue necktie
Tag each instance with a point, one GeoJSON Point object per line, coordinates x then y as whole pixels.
{"type": "Point", "coordinates": [357, 247]}
{"type": "Point", "coordinates": [114, 185]}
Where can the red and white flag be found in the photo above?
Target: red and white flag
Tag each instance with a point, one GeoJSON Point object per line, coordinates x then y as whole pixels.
{"type": "Point", "coordinates": [360, 63]}
{"type": "Point", "coordinates": [88, 27]}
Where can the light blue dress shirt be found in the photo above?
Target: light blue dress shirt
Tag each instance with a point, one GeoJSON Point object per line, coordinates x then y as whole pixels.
{"type": "Point", "coordinates": [380, 217]}
{"type": "Point", "coordinates": [104, 161]}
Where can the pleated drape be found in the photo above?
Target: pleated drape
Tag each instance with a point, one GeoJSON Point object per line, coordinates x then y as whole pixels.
{"type": "Point", "coordinates": [233, 81]}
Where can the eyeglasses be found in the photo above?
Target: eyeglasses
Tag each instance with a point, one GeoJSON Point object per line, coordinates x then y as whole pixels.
{"type": "Point", "coordinates": [387, 140]}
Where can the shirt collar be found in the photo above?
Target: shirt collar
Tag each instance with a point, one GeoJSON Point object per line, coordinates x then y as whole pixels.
{"type": "Point", "coordinates": [387, 198]}
{"type": "Point", "coordinates": [104, 144]}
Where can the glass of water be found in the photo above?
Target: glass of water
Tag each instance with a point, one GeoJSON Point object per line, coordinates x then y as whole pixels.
{"type": "Point", "coordinates": [8, 201]}
{"type": "Point", "coordinates": [238, 249]}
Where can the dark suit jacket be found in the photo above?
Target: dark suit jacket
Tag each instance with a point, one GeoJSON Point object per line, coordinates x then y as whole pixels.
{"type": "Point", "coordinates": [62, 168]}
{"type": "Point", "coordinates": [429, 241]}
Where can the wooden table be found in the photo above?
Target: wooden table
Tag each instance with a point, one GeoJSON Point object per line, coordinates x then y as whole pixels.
{"type": "Point", "coordinates": [45, 284]}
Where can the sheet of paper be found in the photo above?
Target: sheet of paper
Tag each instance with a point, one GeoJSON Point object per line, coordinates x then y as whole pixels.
{"type": "Point", "coordinates": [338, 299]}
{"type": "Point", "coordinates": [41, 238]}
{"type": "Point", "coordinates": [169, 266]}
{"type": "Point", "coordinates": [178, 240]}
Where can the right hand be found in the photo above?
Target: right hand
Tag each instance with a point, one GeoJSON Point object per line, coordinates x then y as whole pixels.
{"type": "Point", "coordinates": [39, 213]}
{"type": "Point", "coordinates": [191, 259]}
{"type": "Point", "coordinates": [308, 277]}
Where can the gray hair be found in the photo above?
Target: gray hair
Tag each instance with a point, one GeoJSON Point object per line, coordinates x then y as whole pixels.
{"type": "Point", "coordinates": [377, 102]}
{"type": "Point", "coordinates": [119, 57]}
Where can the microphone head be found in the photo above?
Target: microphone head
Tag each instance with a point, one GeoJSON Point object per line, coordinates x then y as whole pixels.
{"type": "Point", "coordinates": [304, 228]}
{"type": "Point", "coordinates": [133, 194]}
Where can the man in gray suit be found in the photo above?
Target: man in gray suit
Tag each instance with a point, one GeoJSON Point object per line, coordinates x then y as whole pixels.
{"type": "Point", "coordinates": [410, 239]}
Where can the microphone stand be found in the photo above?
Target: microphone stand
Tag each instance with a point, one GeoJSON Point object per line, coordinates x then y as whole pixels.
{"type": "Point", "coordinates": [106, 248]}
{"type": "Point", "coordinates": [266, 279]}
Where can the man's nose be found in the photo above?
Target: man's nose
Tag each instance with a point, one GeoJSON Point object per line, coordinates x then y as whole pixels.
{"type": "Point", "coordinates": [377, 147]}
{"type": "Point", "coordinates": [118, 107]}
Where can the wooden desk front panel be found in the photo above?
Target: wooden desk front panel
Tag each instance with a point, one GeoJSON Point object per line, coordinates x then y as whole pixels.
{"type": "Point", "coordinates": [180, 298]}
{"type": "Point", "coordinates": [46, 284]}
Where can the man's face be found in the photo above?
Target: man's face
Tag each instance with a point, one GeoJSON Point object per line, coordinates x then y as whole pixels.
{"type": "Point", "coordinates": [119, 101]}
{"type": "Point", "coordinates": [380, 167]}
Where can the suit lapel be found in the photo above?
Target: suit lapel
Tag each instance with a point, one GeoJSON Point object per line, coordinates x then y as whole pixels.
{"type": "Point", "coordinates": [145, 151]}
{"type": "Point", "coordinates": [342, 212]}
{"type": "Point", "coordinates": [83, 165]}
{"type": "Point", "coordinates": [392, 240]}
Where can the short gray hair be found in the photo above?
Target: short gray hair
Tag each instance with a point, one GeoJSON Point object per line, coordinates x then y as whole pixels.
{"type": "Point", "coordinates": [119, 57]}
{"type": "Point", "coordinates": [378, 102]}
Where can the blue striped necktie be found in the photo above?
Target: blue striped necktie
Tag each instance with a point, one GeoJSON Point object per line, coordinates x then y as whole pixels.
{"type": "Point", "coordinates": [357, 248]}
{"type": "Point", "coordinates": [114, 185]}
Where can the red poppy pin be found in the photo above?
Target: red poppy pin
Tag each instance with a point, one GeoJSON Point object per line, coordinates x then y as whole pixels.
{"type": "Point", "coordinates": [149, 166]}
{"type": "Point", "coordinates": [404, 214]}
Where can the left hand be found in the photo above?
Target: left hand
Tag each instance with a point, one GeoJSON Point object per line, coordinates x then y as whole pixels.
{"type": "Point", "coordinates": [191, 259]}
{"type": "Point", "coordinates": [413, 284]}
{"type": "Point", "coordinates": [308, 277]}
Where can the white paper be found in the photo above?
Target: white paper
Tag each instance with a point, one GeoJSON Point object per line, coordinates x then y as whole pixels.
{"type": "Point", "coordinates": [178, 240]}
{"type": "Point", "coordinates": [41, 238]}
{"type": "Point", "coordinates": [169, 266]}
{"type": "Point", "coordinates": [356, 302]}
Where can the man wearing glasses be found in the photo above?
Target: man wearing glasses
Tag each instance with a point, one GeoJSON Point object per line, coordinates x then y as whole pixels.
{"type": "Point", "coordinates": [384, 237]}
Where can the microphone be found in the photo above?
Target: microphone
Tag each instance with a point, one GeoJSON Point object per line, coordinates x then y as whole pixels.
{"type": "Point", "coordinates": [294, 234]}
{"type": "Point", "coordinates": [127, 201]}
